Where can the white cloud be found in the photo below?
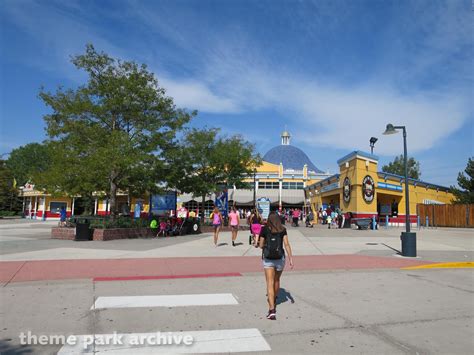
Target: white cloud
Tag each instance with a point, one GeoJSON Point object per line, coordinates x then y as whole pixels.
{"type": "Point", "coordinates": [324, 116]}
{"type": "Point", "coordinates": [196, 95]}
{"type": "Point", "coordinates": [347, 118]}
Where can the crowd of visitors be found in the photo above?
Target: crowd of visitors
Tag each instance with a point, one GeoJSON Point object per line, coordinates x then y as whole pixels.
{"type": "Point", "coordinates": [332, 217]}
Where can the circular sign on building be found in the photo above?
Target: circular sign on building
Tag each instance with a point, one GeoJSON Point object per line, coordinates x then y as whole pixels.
{"type": "Point", "coordinates": [368, 189]}
{"type": "Point", "coordinates": [346, 190]}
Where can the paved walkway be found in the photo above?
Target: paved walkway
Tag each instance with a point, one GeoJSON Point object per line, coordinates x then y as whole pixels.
{"type": "Point", "coordinates": [32, 242]}
{"type": "Point", "coordinates": [15, 271]}
{"type": "Point", "coordinates": [348, 292]}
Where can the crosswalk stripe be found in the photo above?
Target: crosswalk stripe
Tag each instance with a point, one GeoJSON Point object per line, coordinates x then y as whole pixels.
{"type": "Point", "coordinates": [213, 299]}
{"type": "Point", "coordinates": [206, 341]}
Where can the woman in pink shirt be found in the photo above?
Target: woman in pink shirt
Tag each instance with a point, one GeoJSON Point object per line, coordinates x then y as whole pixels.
{"type": "Point", "coordinates": [234, 224]}
{"type": "Point", "coordinates": [217, 221]}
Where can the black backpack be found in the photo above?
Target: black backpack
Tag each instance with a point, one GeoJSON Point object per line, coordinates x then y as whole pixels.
{"type": "Point", "coordinates": [273, 248]}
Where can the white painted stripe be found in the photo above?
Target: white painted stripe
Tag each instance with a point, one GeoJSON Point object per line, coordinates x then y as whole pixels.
{"type": "Point", "coordinates": [213, 299]}
{"type": "Point", "coordinates": [206, 341]}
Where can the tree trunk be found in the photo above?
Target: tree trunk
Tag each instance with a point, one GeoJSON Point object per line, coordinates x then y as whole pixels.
{"type": "Point", "coordinates": [202, 208]}
{"type": "Point", "coordinates": [113, 194]}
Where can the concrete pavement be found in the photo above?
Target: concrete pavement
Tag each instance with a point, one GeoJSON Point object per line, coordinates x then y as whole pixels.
{"type": "Point", "coordinates": [32, 241]}
{"type": "Point", "coordinates": [349, 292]}
{"type": "Point", "coordinates": [364, 312]}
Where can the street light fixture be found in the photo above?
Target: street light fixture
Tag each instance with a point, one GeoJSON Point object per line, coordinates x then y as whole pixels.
{"type": "Point", "coordinates": [408, 238]}
{"type": "Point", "coordinates": [372, 141]}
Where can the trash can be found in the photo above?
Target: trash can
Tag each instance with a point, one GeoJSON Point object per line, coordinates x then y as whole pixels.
{"type": "Point", "coordinates": [192, 226]}
{"type": "Point", "coordinates": [408, 244]}
{"type": "Point", "coordinates": [83, 232]}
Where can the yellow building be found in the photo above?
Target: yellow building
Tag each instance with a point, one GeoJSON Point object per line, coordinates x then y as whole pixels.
{"type": "Point", "coordinates": [284, 174]}
{"type": "Point", "coordinates": [289, 179]}
{"type": "Point", "coordinates": [364, 191]}
{"type": "Point", "coordinates": [41, 205]}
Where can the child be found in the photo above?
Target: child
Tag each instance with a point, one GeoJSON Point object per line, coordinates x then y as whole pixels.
{"type": "Point", "coordinates": [162, 228]}
{"type": "Point", "coordinates": [154, 227]}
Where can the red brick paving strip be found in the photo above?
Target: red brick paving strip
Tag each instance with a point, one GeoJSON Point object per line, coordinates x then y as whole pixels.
{"type": "Point", "coordinates": [35, 270]}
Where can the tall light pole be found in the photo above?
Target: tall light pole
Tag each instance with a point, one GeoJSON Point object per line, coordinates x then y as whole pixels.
{"type": "Point", "coordinates": [408, 238]}
{"type": "Point", "coordinates": [372, 142]}
{"type": "Point", "coordinates": [254, 188]}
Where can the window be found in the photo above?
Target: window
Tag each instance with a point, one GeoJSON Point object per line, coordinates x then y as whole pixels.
{"type": "Point", "coordinates": [293, 185]}
{"type": "Point", "coordinates": [268, 185]}
{"type": "Point", "coordinates": [55, 207]}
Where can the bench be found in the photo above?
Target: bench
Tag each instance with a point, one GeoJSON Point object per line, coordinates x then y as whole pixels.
{"type": "Point", "coordinates": [362, 223]}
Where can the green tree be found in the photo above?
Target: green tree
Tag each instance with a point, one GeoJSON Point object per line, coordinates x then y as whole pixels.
{"type": "Point", "coordinates": [112, 132]}
{"type": "Point", "coordinates": [465, 193]}
{"type": "Point", "coordinates": [10, 203]}
{"type": "Point", "coordinates": [208, 161]}
{"type": "Point", "coordinates": [28, 161]}
{"type": "Point", "coordinates": [398, 167]}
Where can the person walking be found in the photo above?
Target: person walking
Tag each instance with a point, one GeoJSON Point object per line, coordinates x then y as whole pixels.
{"type": "Point", "coordinates": [217, 222]}
{"type": "Point", "coordinates": [296, 217]}
{"type": "Point", "coordinates": [274, 243]}
{"type": "Point", "coordinates": [234, 219]}
{"type": "Point", "coordinates": [62, 217]}
{"type": "Point", "coordinates": [255, 226]}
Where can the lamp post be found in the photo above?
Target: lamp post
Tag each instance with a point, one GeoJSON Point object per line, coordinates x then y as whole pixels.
{"type": "Point", "coordinates": [408, 238]}
{"type": "Point", "coordinates": [372, 141]}
{"type": "Point", "coordinates": [254, 188]}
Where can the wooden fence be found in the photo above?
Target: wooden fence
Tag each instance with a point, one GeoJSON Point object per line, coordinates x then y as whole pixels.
{"type": "Point", "coordinates": [446, 215]}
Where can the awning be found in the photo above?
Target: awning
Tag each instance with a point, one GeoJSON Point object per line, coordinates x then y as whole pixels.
{"type": "Point", "coordinates": [292, 196]}
{"type": "Point", "coordinates": [271, 194]}
{"type": "Point", "coordinates": [183, 198]}
{"type": "Point", "coordinates": [241, 196]}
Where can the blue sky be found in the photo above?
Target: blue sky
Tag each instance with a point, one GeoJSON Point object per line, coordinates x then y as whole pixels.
{"type": "Point", "coordinates": [334, 72]}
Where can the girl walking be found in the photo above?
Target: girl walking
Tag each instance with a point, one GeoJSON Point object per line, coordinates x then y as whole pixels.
{"type": "Point", "coordinates": [234, 224]}
{"type": "Point", "coordinates": [255, 226]}
{"type": "Point", "coordinates": [274, 242]}
{"type": "Point", "coordinates": [217, 222]}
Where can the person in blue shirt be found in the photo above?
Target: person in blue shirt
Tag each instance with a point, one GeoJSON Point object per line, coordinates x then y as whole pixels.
{"type": "Point", "coordinates": [62, 216]}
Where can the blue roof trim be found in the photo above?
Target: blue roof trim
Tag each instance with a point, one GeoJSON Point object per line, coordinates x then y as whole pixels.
{"type": "Point", "coordinates": [360, 153]}
{"type": "Point", "coordinates": [323, 181]}
{"type": "Point", "coordinates": [382, 174]}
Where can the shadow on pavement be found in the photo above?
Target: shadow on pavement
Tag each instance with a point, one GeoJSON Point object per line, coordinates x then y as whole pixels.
{"type": "Point", "coordinates": [284, 296]}
{"type": "Point", "coordinates": [396, 250]}
{"type": "Point", "coordinates": [7, 348]}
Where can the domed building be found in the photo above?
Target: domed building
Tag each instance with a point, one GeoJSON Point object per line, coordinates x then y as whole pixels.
{"type": "Point", "coordinates": [291, 157]}
{"type": "Point", "coordinates": [282, 178]}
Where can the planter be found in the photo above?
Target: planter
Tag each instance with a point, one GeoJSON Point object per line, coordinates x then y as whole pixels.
{"type": "Point", "coordinates": [62, 233]}
{"type": "Point", "coordinates": [103, 234]}
{"type": "Point", "coordinates": [121, 233]}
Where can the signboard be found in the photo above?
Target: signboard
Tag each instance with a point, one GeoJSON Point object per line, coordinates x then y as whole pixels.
{"type": "Point", "coordinates": [182, 212]}
{"type": "Point", "coordinates": [28, 187]}
{"type": "Point", "coordinates": [263, 207]}
{"type": "Point", "coordinates": [393, 187]}
{"type": "Point", "coordinates": [346, 190]}
{"type": "Point", "coordinates": [386, 210]}
{"type": "Point", "coordinates": [222, 199]}
{"type": "Point", "coordinates": [368, 189]}
{"type": "Point", "coordinates": [160, 204]}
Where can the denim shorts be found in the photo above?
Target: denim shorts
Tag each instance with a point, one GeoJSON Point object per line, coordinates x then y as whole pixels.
{"type": "Point", "coordinates": [277, 264]}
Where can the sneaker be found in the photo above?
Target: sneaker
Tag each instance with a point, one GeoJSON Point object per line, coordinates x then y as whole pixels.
{"type": "Point", "coordinates": [233, 243]}
{"type": "Point", "coordinates": [271, 314]}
